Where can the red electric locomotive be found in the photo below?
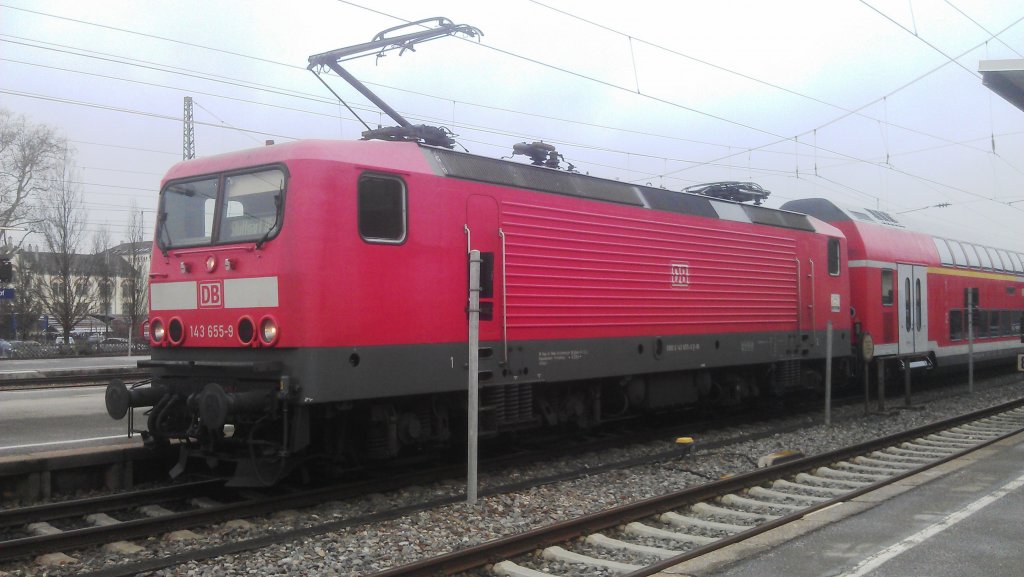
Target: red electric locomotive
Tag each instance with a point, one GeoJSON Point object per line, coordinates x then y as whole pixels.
{"type": "Point", "coordinates": [910, 290]}
{"type": "Point", "coordinates": [309, 299]}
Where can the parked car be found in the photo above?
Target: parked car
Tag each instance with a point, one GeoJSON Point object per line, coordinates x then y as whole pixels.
{"type": "Point", "coordinates": [26, 350]}
{"type": "Point", "coordinates": [64, 341]}
{"type": "Point", "coordinates": [5, 349]}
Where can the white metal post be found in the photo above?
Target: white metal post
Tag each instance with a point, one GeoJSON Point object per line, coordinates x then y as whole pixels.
{"type": "Point", "coordinates": [970, 340]}
{"type": "Point", "coordinates": [474, 374]}
{"type": "Point", "coordinates": [906, 383]}
{"type": "Point", "coordinates": [828, 374]}
{"type": "Point", "coordinates": [867, 386]}
{"type": "Point", "coordinates": [881, 385]}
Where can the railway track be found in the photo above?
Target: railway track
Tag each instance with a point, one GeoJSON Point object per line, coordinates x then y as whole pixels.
{"type": "Point", "coordinates": [54, 379]}
{"type": "Point", "coordinates": [116, 518]}
{"type": "Point", "coordinates": [649, 536]}
{"type": "Point", "coordinates": [124, 521]}
{"type": "Point", "coordinates": [76, 524]}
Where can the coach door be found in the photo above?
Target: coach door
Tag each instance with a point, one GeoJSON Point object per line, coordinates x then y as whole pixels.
{"type": "Point", "coordinates": [483, 235]}
{"type": "Point", "coordinates": [913, 308]}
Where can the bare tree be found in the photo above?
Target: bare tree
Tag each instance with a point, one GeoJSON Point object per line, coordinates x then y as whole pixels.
{"type": "Point", "coordinates": [135, 285]}
{"type": "Point", "coordinates": [28, 304]}
{"type": "Point", "coordinates": [29, 156]}
{"type": "Point", "coordinates": [103, 271]}
{"type": "Point", "coordinates": [68, 295]}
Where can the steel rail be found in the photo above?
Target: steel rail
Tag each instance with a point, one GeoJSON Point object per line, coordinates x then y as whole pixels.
{"type": "Point", "coordinates": [89, 537]}
{"type": "Point", "coordinates": [63, 379]}
{"type": "Point", "coordinates": [104, 503]}
{"type": "Point", "coordinates": [140, 528]}
{"type": "Point", "coordinates": [93, 536]}
{"type": "Point", "coordinates": [515, 545]}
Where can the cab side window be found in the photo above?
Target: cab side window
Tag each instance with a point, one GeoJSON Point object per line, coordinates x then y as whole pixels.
{"type": "Point", "coordinates": [887, 280]}
{"type": "Point", "coordinates": [833, 256]}
{"type": "Point", "coordinates": [382, 209]}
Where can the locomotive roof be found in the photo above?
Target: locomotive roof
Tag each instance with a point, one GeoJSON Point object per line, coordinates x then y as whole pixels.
{"type": "Point", "coordinates": [454, 164]}
{"type": "Point", "coordinates": [416, 158]}
{"type": "Point", "coordinates": [503, 172]}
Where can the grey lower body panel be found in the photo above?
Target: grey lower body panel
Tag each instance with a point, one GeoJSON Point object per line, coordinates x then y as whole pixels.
{"type": "Point", "coordinates": [353, 373]}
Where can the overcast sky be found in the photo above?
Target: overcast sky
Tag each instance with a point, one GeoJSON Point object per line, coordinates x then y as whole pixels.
{"type": "Point", "coordinates": [875, 104]}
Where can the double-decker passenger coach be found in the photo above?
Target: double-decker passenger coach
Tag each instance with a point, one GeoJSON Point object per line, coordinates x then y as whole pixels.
{"type": "Point", "coordinates": [913, 292]}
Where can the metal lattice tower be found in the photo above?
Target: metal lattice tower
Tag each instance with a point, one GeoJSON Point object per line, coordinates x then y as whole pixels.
{"type": "Point", "coordinates": [188, 144]}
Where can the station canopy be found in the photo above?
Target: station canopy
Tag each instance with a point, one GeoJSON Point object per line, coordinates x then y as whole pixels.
{"type": "Point", "coordinates": [1005, 78]}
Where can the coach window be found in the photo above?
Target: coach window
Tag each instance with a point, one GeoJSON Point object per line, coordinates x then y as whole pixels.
{"type": "Point", "coordinates": [1006, 259]}
{"type": "Point", "coordinates": [997, 262]}
{"type": "Point", "coordinates": [956, 325]}
{"type": "Point", "coordinates": [382, 209]}
{"type": "Point", "coordinates": [972, 256]}
{"type": "Point", "coordinates": [959, 258]}
{"type": "Point", "coordinates": [944, 255]}
{"type": "Point", "coordinates": [917, 303]}
{"type": "Point", "coordinates": [887, 280]}
{"type": "Point", "coordinates": [986, 262]}
{"type": "Point", "coordinates": [907, 304]}
{"type": "Point", "coordinates": [995, 323]}
{"type": "Point", "coordinates": [1017, 262]}
{"type": "Point", "coordinates": [833, 256]}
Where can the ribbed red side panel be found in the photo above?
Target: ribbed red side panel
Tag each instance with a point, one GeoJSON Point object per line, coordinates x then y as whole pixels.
{"type": "Point", "coordinates": [575, 272]}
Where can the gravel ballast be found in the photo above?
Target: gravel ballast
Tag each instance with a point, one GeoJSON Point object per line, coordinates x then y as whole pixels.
{"type": "Point", "coordinates": [365, 549]}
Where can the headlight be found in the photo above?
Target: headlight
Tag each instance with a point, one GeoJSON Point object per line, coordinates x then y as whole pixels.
{"type": "Point", "coordinates": [268, 331]}
{"type": "Point", "coordinates": [156, 331]}
{"type": "Point", "coordinates": [176, 331]}
{"type": "Point", "coordinates": [246, 331]}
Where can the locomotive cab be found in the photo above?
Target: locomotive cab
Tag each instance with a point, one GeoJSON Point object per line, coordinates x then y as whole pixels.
{"type": "Point", "coordinates": [209, 300]}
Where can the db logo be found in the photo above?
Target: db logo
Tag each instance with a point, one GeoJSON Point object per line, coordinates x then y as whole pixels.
{"type": "Point", "coordinates": [211, 294]}
{"type": "Point", "coordinates": [680, 274]}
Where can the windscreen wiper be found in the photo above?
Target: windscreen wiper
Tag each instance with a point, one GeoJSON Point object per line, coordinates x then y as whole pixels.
{"type": "Point", "coordinates": [277, 219]}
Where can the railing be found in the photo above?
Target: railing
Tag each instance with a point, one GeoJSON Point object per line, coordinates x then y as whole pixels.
{"type": "Point", "coordinates": [35, 350]}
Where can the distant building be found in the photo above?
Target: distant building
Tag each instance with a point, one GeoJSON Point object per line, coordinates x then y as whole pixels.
{"type": "Point", "coordinates": [143, 251]}
{"type": "Point", "coordinates": [109, 276]}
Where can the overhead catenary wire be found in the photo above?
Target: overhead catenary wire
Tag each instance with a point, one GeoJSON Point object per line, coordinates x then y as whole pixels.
{"type": "Point", "coordinates": [622, 151]}
{"type": "Point", "coordinates": [983, 28]}
{"type": "Point", "coordinates": [279, 63]}
{"type": "Point", "coordinates": [233, 53]}
{"type": "Point", "coordinates": [921, 38]}
{"type": "Point", "coordinates": [743, 125]}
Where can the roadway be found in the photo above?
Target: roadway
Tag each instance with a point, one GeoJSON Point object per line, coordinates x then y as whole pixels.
{"type": "Point", "coordinates": [43, 420]}
{"type": "Point", "coordinates": [12, 368]}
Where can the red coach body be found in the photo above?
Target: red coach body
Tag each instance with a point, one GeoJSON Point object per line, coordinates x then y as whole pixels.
{"type": "Point", "coordinates": [909, 288]}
